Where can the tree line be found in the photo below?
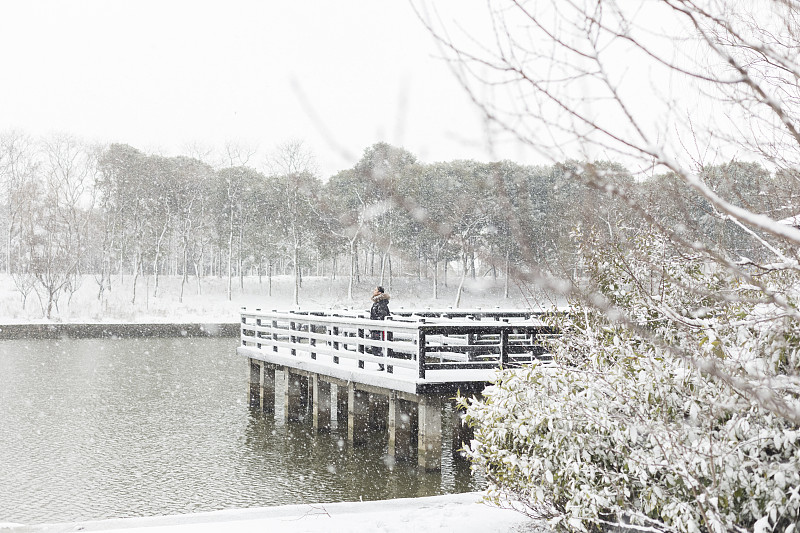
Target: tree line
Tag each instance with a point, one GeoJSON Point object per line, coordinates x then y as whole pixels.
{"type": "Point", "coordinates": [72, 210]}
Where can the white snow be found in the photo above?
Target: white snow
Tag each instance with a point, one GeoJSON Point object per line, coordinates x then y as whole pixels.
{"type": "Point", "coordinates": [209, 303]}
{"type": "Point", "coordinates": [793, 221]}
{"type": "Point", "coordinates": [457, 513]}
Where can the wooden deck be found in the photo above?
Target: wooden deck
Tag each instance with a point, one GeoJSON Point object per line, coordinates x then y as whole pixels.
{"type": "Point", "coordinates": [329, 366]}
{"type": "Point", "coordinates": [424, 351]}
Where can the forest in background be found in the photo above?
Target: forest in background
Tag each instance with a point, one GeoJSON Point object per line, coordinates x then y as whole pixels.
{"type": "Point", "coordinates": [70, 210]}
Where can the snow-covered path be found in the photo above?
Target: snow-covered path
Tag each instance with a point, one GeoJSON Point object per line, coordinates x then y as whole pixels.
{"type": "Point", "coordinates": [456, 513]}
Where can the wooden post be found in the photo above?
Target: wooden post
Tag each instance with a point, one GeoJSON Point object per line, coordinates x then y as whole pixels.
{"type": "Point", "coordinates": [429, 436]}
{"type": "Point", "coordinates": [393, 423]}
{"type": "Point", "coordinates": [421, 352]}
{"type": "Point", "coordinates": [242, 328]}
{"type": "Point", "coordinates": [360, 347]}
{"type": "Point", "coordinates": [378, 411]}
{"type": "Point", "coordinates": [292, 338]}
{"type": "Point", "coordinates": [504, 348]}
{"type": "Point", "coordinates": [403, 423]}
{"type": "Point", "coordinates": [267, 388]}
{"type": "Point", "coordinates": [341, 405]}
{"type": "Point", "coordinates": [296, 397]}
{"type": "Point", "coordinates": [389, 352]}
{"type": "Point", "coordinates": [335, 343]}
{"type": "Point", "coordinates": [312, 341]}
{"type": "Point", "coordinates": [357, 415]}
{"type": "Point", "coordinates": [274, 333]}
{"type": "Point", "coordinates": [321, 415]}
{"type": "Point", "coordinates": [254, 382]}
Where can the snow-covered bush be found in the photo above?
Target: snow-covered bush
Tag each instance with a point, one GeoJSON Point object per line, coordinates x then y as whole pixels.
{"type": "Point", "coordinates": [674, 409]}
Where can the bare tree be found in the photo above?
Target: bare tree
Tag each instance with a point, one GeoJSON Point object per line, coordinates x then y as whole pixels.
{"type": "Point", "coordinates": [58, 238]}
{"type": "Point", "coordinates": [236, 155]}
{"type": "Point", "coordinates": [17, 171]}
{"type": "Point", "coordinates": [670, 89]}
{"type": "Point", "coordinates": [347, 201]}
{"type": "Point", "coordinates": [568, 89]}
{"type": "Point", "coordinates": [291, 157]}
{"type": "Point", "coordinates": [294, 185]}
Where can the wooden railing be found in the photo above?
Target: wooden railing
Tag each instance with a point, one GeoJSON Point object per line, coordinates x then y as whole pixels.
{"type": "Point", "coordinates": [424, 341]}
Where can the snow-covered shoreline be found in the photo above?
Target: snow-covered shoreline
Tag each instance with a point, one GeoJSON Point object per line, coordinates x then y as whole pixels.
{"type": "Point", "coordinates": [207, 310]}
{"type": "Point", "coordinates": [34, 330]}
{"type": "Point", "coordinates": [461, 513]}
{"type": "Point", "coordinates": [209, 302]}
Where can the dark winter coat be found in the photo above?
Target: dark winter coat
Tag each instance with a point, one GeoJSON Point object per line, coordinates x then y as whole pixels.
{"type": "Point", "coordinates": [380, 306]}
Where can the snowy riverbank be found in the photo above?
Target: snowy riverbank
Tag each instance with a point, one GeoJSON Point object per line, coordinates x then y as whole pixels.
{"type": "Point", "coordinates": [208, 301]}
{"type": "Point", "coordinates": [457, 513]}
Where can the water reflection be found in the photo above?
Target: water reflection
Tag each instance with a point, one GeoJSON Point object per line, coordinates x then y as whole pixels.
{"type": "Point", "coordinates": [93, 429]}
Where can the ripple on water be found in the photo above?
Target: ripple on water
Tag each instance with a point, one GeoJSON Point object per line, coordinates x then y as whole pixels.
{"type": "Point", "coordinates": [95, 429]}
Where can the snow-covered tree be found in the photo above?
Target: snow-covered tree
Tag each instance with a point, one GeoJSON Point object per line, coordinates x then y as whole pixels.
{"type": "Point", "coordinates": [674, 404]}
{"type": "Point", "coordinates": [18, 167]}
{"type": "Point", "coordinates": [671, 410]}
{"type": "Point", "coordinates": [57, 225]}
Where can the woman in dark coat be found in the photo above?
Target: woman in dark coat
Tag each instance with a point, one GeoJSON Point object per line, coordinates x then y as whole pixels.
{"type": "Point", "coordinates": [379, 311]}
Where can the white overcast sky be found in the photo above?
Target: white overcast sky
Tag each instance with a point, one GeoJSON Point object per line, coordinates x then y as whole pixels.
{"type": "Point", "coordinates": [160, 75]}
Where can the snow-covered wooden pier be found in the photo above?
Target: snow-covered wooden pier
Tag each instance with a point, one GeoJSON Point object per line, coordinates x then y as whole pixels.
{"type": "Point", "coordinates": [428, 357]}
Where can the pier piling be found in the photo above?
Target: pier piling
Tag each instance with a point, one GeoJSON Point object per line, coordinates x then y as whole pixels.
{"type": "Point", "coordinates": [429, 358]}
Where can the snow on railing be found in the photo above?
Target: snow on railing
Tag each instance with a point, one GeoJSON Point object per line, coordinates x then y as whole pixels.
{"type": "Point", "coordinates": [423, 340]}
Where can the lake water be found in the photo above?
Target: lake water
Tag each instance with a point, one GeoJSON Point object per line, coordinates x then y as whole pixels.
{"type": "Point", "coordinates": [99, 428]}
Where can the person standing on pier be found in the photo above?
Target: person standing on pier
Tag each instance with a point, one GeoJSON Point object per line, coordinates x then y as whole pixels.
{"type": "Point", "coordinates": [379, 311]}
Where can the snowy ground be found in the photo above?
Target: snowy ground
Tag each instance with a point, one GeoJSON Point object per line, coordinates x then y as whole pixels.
{"type": "Point", "coordinates": [209, 303]}
{"type": "Point", "coordinates": [457, 513]}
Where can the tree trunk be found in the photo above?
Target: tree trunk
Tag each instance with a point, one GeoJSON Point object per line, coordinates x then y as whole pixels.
{"type": "Point", "coordinates": [240, 260]}
{"type": "Point", "coordinates": [155, 274]}
{"type": "Point", "coordinates": [296, 255]}
{"type": "Point", "coordinates": [185, 267]}
{"type": "Point", "coordinates": [464, 269]}
{"type": "Point", "coordinates": [8, 250]}
{"type": "Point", "coordinates": [384, 257]}
{"type": "Point", "coordinates": [472, 263]}
{"type": "Point", "coordinates": [49, 304]}
{"type": "Point", "coordinates": [352, 271]}
{"type": "Point", "coordinates": [505, 292]}
{"type": "Point", "coordinates": [435, 278]}
{"type": "Point", "coordinates": [156, 260]}
{"type": "Point", "coordinates": [230, 265]}
{"type": "Point", "coordinates": [135, 276]}
{"type": "Point", "coordinates": [197, 274]}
